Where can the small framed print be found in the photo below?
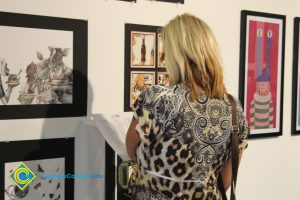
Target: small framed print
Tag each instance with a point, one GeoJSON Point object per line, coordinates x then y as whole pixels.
{"type": "Point", "coordinates": [36, 169]}
{"type": "Point", "coordinates": [140, 60]}
{"type": "Point", "coordinates": [261, 71]}
{"type": "Point", "coordinates": [161, 54]}
{"type": "Point", "coordinates": [163, 79]}
{"type": "Point", "coordinates": [143, 47]}
{"type": "Point", "coordinates": [39, 187]}
{"type": "Point", "coordinates": [295, 123]}
{"type": "Point", "coordinates": [140, 81]}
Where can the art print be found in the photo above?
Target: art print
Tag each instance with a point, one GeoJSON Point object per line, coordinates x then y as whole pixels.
{"type": "Point", "coordinates": [262, 72]}
{"type": "Point", "coordinates": [143, 49]}
{"type": "Point", "coordinates": [161, 55]}
{"type": "Point", "coordinates": [43, 66]}
{"type": "Point", "coordinates": [37, 170]}
{"type": "Point", "coordinates": [41, 187]}
{"type": "Point", "coordinates": [44, 72]}
{"type": "Point", "coordinates": [139, 82]}
{"type": "Point", "coordinates": [163, 79]}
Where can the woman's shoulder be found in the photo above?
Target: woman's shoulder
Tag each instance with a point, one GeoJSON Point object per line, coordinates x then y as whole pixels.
{"type": "Point", "coordinates": [154, 93]}
{"type": "Point", "coordinates": [158, 90]}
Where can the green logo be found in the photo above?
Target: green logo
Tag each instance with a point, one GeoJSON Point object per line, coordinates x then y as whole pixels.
{"type": "Point", "coordinates": [22, 176]}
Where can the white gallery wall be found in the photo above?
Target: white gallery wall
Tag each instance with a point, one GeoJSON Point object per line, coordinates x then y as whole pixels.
{"type": "Point", "coordinates": [270, 167]}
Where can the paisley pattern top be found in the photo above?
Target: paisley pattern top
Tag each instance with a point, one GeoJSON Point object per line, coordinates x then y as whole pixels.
{"type": "Point", "coordinates": [184, 143]}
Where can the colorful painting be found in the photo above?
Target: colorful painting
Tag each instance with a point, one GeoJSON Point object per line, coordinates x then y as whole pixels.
{"type": "Point", "coordinates": [263, 73]}
{"type": "Point", "coordinates": [140, 81]}
{"type": "Point", "coordinates": [143, 49]}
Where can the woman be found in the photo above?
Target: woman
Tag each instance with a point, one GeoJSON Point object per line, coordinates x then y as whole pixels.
{"type": "Point", "coordinates": [180, 135]}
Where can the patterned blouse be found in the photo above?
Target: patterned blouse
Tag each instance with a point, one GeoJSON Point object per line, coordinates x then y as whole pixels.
{"type": "Point", "coordinates": [184, 144]}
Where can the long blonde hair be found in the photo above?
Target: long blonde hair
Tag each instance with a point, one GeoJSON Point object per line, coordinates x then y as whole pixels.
{"type": "Point", "coordinates": [192, 56]}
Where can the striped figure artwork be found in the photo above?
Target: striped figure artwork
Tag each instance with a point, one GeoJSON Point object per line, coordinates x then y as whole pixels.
{"type": "Point", "coordinates": [261, 71]}
{"type": "Point", "coordinates": [261, 107]}
{"type": "Point", "coordinates": [263, 76]}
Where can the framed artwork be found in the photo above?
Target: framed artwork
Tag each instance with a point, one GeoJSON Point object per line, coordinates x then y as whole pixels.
{"type": "Point", "coordinates": [295, 123]}
{"type": "Point", "coordinates": [139, 81]}
{"type": "Point", "coordinates": [143, 49]}
{"type": "Point", "coordinates": [261, 71]}
{"type": "Point", "coordinates": [37, 164]}
{"type": "Point", "coordinates": [161, 54]}
{"type": "Point", "coordinates": [132, 1]}
{"type": "Point", "coordinates": [43, 70]}
{"type": "Point", "coordinates": [163, 79]}
{"type": "Point", "coordinates": [171, 1]}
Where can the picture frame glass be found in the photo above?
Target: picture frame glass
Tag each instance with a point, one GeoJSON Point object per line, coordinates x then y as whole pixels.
{"type": "Point", "coordinates": [143, 47]}
{"type": "Point", "coordinates": [161, 55]}
{"type": "Point", "coordinates": [163, 79]}
{"type": "Point", "coordinates": [40, 69]}
{"type": "Point", "coordinates": [263, 73]}
{"type": "Point", "coordinates": [41, 187]}
{"type": "Point", "coordinates": [43, 66]}
{"type": "Point", "coordinates": [140, 81]}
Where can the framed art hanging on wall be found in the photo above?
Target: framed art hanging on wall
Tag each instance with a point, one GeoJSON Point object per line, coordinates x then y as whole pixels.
{"type": "Point", "coordinates": [37, 169]}
{"type": "Point", "coordinates": [132, 1]}
{"type": "Point", "coordinates": [170, 1]}
{"type": "Point", "coordinates": [144, 61]}
{"type": "Point", "coordinates": [43, 70]}
{"type": "Point", "coordinates": [295, 123]}
{"type": "Point", "coordinates": [261, 71]}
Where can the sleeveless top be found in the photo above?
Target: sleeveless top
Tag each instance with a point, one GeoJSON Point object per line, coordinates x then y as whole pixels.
{"type": "Point", "coordinates": [184, 143]}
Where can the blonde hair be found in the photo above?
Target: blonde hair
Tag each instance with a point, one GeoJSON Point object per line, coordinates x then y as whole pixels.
{"type": "Point", "coordinates": [192, 56]}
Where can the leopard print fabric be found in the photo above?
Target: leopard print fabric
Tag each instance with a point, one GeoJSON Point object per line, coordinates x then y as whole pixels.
{"type": "Point", "coordinates": [184, 143]}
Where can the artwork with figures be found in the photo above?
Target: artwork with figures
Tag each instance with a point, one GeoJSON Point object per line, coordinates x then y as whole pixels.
{"type": "Point", "coordinates": [39, 169]}
{"type": "Point", "coordinates": [43, 66]}
{"type": "Point", "coordinates": [263, 73]}
{"type": "Point", "coordinates": [41, 187]}
{"type": "Point", "coordinates": [143, 49]}
{"type": "Point", "coordinates": [139, 82]}
{"type": "Point", "coordinates": [44, 72]}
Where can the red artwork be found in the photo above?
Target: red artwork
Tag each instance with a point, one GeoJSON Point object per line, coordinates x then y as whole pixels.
{"type": "Point", "coordinates": [262, 74]}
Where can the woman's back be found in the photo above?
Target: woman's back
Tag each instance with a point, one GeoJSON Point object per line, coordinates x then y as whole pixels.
{"type": "Point", "coordinates": [184, 143]}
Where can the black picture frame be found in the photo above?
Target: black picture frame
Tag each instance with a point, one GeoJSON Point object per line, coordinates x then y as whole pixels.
{"type": "Point", "coordinates": [295, 130]}
{"type": "Point", "coordinates": [171, 1]}
{"type": "Point", "coordinates": [79, 29]}
{"type": "Point", "coordinates": [266, 19]}
{"type": "Point", "coordinates": [129, 70]}
{"type": "Point", "coordinates": [132, 1]}
{"type": "Point", "coordinates": [30, 150]}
